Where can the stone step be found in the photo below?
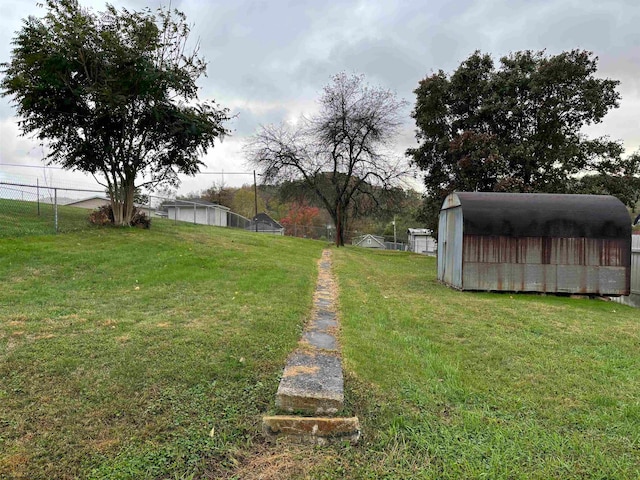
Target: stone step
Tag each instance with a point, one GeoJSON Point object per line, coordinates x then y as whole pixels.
{"type": "Point", "coordinates": [312, 384]}
{"type": "Point", "coordinates": [311, 430]}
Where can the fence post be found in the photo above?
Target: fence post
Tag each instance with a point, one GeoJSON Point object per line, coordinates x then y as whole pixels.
{"type": "Point", "coordinates": [38, 194]}
{"type": "Point", "coordinates": [194, 213]}
{"type": "Point", "coordinates": [55, 209]}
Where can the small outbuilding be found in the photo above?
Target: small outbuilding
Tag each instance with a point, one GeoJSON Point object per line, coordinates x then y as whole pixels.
{"type": "Point", "coordinates": [90, 203]}
{"type": "Point", "coordinates": [197, 211]}
{"type": "Point", "coordinates": [421, 240]}
{"type": "Point", "coordinates": [369, 241]}
{"type": "Point", "coordinates": [263, 223]}
{"type": "Point", "coordinates": [535, 243]}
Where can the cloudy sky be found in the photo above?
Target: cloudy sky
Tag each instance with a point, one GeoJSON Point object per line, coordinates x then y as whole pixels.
{"type": "Point", "coordinates": [268, 60]}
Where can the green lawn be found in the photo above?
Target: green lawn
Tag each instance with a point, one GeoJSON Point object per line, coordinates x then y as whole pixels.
{"type": "Point", "coordinates": [476, 385]}
{"type": "Point", "coordinates": [129, 353]}
{"type": "Point", "coordinates": [20, 218]}
{"type": "Point", "coordinates": [144, 353]}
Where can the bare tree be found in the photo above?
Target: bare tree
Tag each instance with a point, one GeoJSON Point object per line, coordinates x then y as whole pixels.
{"type": "Point", "coordinates": [342, 152]}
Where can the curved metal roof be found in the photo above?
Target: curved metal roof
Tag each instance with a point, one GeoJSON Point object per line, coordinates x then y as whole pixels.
{"type": "Point", "coordinates": [541, 215]}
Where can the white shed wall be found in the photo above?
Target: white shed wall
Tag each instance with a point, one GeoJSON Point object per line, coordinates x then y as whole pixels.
{"type": "Point", "coordinates": [200, 215]}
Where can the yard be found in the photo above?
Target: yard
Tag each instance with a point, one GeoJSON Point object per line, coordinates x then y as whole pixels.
{"type": "Point", "coordinates": [154, 354]}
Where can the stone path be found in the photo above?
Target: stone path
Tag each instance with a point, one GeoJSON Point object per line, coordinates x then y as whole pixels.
{"type": "Point", "coordinates": [312, 383]}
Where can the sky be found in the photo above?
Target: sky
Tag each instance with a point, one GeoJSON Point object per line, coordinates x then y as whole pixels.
{"type": "Point", "coordinates": [268, 61]}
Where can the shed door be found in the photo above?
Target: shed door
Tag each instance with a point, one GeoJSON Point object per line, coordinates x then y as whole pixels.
{"type": "Point", "coordinates": [450, 247]}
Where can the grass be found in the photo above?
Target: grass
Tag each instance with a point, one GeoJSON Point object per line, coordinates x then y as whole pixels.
{"type": "Point", "coordinates": [143, 354]}
{"type": "Point", "coordinates": [153, 354]}
{"type": "Point", "coordinates": [21, 218]}
{"type": "Point", "coordinates": [477, 385]}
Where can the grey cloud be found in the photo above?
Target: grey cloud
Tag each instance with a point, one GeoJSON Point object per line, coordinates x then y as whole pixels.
{"type": "Point", "coordinates": [247, 121]}
{"type": "Point", "coordinates": [277, 55]}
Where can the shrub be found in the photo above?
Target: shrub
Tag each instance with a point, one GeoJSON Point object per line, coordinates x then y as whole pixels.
{"type": "Point", "coordinates": [104, 216]}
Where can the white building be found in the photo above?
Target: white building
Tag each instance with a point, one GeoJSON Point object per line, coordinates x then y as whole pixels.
{"type": "Point", "coordinates": [197, 211]}
{"type": "Point", "coordinates": [421, 241]}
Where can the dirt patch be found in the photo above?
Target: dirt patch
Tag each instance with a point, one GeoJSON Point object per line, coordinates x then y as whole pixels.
{"type": "Point", "coordinates": [275, 463]}
{"type": "Point", "coordinates": [104, 445]}
{"type": "Point", "coordinates": [17, 320]}
{"type": "Point", "coordinates": [14, 466]}
{"type": "Point", "coordinates": [300, 370]}
{"type": "Point", "coordinates": [44, 336]}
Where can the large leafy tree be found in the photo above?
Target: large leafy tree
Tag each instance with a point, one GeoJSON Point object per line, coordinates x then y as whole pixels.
{"type": "Point", "coordinates": [620, 179]}
{"type": "Point", "coordinates": [340, 152]}
{"type": "Point", "coordinates": [516, 127]}
{"type": "Point", "coordinates": [114, 94]}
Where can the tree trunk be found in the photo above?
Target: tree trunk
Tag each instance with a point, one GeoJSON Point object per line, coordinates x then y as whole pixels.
{"type": "Point", "coordinates": [340, 221]}
{"type": "Point", "coordinates": [122, 204]}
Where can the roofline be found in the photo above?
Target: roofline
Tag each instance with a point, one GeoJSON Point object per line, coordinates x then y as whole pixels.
{"type": "Point", "coordinates": [192, 204]}
{"type": "Point", "coordinates": [375, 237]}
{"type": "Point", "coordinates": [95, 197]}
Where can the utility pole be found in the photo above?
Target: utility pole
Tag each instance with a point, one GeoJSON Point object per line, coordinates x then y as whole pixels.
{"type": "Point", "coordinates": [394, 232]}
{"type": "Point", "coordinates": [255, 198]}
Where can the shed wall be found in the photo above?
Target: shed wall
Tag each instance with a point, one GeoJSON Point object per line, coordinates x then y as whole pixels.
{"type": "Point", "coordinates": [201, 215]}
{"type": "Point", "coordinates": [91, 203]}
{"type": "Point", "coordinates": [370, 243]}
{"type": "Point", "coordinates": [545, 264]}
{"type": "Point", "coordinates": [422, 243]}
{"type": "Point", "coordinates": [535, 242]}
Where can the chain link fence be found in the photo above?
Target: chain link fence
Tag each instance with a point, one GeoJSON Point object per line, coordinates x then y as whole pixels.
{"type": "Point", "coordinates": [27, 209]}
{"type": "Point", "coordinates": [41, 210]}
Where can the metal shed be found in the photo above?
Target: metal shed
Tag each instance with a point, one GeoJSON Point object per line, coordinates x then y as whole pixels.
{"type": "Point", "coordinates": [421, 241]}
{"type": "Point", "coordinates": [535, 243]}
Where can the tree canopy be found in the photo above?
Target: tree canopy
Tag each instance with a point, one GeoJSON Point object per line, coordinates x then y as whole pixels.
{"type": "Point", "coordinates": [517, 127]}
{"type": "Point", "coordinates": [340, 151]}
{"type": "Point", "coordinates": [114, 94]}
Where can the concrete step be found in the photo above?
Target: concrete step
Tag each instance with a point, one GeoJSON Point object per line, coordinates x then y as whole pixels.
{"type": "Point", "coordinates": [311, 430]}
{"type": "Point", "coordinates": [312, 384]}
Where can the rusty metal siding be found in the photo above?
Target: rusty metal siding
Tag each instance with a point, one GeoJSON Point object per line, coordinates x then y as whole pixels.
{"type": "Point", "coordinates": [528, 264]}
{"type": "Point", "coordinates": [633, 298]}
